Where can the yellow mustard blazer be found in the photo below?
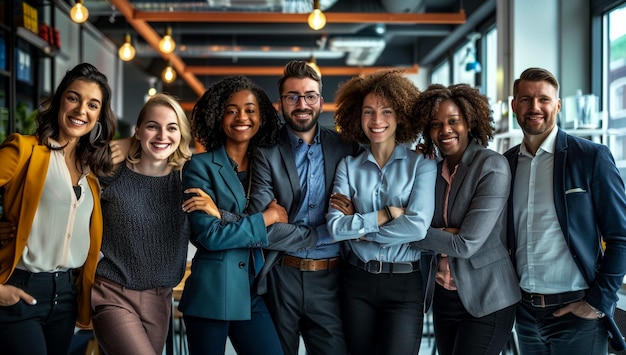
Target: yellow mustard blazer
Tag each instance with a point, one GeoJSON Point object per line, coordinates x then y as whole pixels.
{"type": "Point", "coordinates": [23, 167]}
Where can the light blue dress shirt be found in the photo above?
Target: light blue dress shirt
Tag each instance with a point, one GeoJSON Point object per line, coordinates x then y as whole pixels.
{"type": "Point", "coordinates": [544, 262]}
{"type": "Point", "coordinates": [407, 180]}
{"type": "Point", "coordinates": [309, 161]}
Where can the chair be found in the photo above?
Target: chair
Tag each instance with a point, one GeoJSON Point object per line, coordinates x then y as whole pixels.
{"type": "Point", "coordinates": [620, 319]}
{"type": "Point", "coordinates": [177, 326]}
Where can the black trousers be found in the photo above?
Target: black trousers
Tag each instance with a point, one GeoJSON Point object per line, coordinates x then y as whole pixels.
{"type": "Point", "coordinates": [45, 328]}
{"type": "Point", "coordinates": [383, 313]}
{"type": "Point", "coordinates": [459, 333]}
{"type": "Point", "coordinates": [306, 303]}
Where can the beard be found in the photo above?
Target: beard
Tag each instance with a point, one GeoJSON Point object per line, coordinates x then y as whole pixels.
{"type": "Point", "coordinates": [301, 126]}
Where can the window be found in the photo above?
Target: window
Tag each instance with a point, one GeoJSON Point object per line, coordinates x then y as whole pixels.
{"type": "Point", "coordinates": [464, 55]}
{"type": "Point", "coordinates": [614, 43]}
{"type": "Point", "coordinates": [441, 74]}
{"type": "Point", "coordinates": [490, 65]}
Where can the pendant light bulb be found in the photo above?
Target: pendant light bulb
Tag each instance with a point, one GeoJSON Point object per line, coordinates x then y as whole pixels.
{"type": "Point", "coordinates": [78, 12]}
{"type": "Point", "coordinates": [127, 51]}
{"type": "Point", "coordinates": [167, 44]}
{"type": "Point", "coordinates": [317, 19]}
{"type": "Point", "coordinates": [169, 74]}
{"type": "Point", "coordinates": [313, 64]}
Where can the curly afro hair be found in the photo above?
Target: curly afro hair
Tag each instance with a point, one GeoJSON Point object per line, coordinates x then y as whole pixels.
{"type": "Point", "coordinates": [392, 86]}
{"type": "Point", "coordinates": [473, 105]}
{"type": "Point", "coordinates": [207, 114]}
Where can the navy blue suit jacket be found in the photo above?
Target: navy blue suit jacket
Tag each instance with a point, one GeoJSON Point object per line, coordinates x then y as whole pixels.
{"type": "Point", "coordinates": [591, 207]}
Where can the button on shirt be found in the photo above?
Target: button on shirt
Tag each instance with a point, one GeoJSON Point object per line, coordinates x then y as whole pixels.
{"type": "Point", "coordinates": [407, 180]}
{"type": "Point", "coordinates": [544, 262]}
{"type": "Point", "coordinates": [311, 212]}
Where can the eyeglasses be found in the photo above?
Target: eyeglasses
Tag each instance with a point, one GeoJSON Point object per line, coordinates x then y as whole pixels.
{"type": "Point", "coordinates": [310, 99]}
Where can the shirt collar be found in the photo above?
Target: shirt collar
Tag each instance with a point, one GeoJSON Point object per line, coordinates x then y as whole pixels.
{"type": "Point", "coordinates": [547, 145]}
{"type": "Point", "coordinates": [297, 141]}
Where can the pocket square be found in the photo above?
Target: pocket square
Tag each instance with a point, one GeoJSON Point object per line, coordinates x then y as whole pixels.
{"type": "Point", "coordinates": [574, 190]}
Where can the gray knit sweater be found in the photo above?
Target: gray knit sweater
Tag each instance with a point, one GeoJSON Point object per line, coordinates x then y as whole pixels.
{"type": "Point", "coordinates": [146, 232]}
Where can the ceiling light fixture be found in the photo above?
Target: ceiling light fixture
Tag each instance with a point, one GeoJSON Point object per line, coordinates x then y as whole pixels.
{"type": "Point", "coordinates": [317, 19]}
{"type": "Point", "coordinates": [313, 64]}
{"type": "Point", "coordinates": [78, 12]}
{"type": "Point", "coordinates": [167, 44]}
{"type": "Point", "coordinates": [169, 74]}
{"type": "Point", "coordinates": [127, 51]}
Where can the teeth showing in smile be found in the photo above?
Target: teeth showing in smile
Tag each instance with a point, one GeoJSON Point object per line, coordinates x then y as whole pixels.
{"type": "Point", "coordinates": [377, 130]}
{"type": "Point", "coordinates": [78, 122]}
{"type": "Point", "coordinates": [241, 128]}
{"type": "Point", "coordinates": [160, 145]}
{"type": "Point", "coordinates": [447, 140]}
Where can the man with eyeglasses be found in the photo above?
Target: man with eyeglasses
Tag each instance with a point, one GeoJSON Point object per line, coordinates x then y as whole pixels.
{"type": "Point", "coordinates": [301, 273]}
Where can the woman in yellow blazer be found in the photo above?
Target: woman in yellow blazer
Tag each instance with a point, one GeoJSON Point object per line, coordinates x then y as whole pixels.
{"type": "Point", "coordinates": [52, 196]}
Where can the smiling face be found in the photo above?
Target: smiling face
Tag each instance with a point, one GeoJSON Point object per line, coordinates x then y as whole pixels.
{"type": "Point", "coordinates": [301, 117]}
{"type": "Point", "coordinates": [158, 133]}
{"type": "Point", "coordinates": [241, 119]}
{"type": "Point", "coordinates": [80, 109]}
{"type": "Point", "coordinates": [536, 106]}
{"type": "Point", "coordinates": [378, 120]}
{"type": "Point", "coordinates": [449, 131]}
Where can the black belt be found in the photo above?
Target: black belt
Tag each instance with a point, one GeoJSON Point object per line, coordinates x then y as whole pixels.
{"type": "Point", "coordinates": [381, 267]}
{"type": "Point", "coordinates": [557, 299]}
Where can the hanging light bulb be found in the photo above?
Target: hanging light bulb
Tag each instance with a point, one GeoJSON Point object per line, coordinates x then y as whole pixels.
{"type": "Point", "coordinates": [167, 44]}
{"type": "Point", "coordinates": [169, 74]}
{"type": "Point", "coordinates": [78, 12]}
{"type": "Point", "coordinates": [317, 19]}
{"type": "Point", "coordinates": [127, 51]}
{"type": "Point", "coordinates": [313, 64]}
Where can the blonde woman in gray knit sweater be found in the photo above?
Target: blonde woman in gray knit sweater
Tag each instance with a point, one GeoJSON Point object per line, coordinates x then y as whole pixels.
{"type": "Point", "coordinates": [145, 235]}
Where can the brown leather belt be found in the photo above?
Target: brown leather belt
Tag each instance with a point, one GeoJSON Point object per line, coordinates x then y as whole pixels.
{"type": "Point", "coordinates": [311, 264]}
{"type": "Point", "coordinates": [557, 299]}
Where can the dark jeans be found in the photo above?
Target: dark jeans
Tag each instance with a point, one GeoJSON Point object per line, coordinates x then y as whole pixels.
{"type": "Point", "coordinates": [383, 313]}
{"type": "Point", "coordinates": [459, 333]}
{"type": "Point", "coordinates": [541, 333]}
{"type": "Point", "coordinates": [256, 336]}
{"type": "Point", "coordinates": [306, 303]}
{"type": "Point", "coordinates": [45, 328]}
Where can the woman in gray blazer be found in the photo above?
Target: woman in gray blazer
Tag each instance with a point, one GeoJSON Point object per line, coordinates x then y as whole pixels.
{"type": "Point", "coordinates": [472, 283]}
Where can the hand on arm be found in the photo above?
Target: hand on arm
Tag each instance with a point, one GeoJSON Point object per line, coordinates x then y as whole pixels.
{"type": "Point", "coordinates": [342, 203]}
{"type": "Point", "coordinates": [275, 213]}
{"type": "Point", "coordinates": [201, 202]}
{"type": "Point", "coordinates": [119, 149]}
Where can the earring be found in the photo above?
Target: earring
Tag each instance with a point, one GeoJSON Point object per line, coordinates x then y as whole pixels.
{"type": "Point", "coordinates": [95, 133]}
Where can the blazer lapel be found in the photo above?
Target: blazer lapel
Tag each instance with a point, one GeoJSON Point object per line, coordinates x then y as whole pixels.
{"type": "Point", "coordinates": [289, 162]}
{"type": "Point", "coordinates": [466, 159]}
{"type": "Point", "coordinates": [229, 176]}
{"type": "Point", "coordinates": [560, 157]}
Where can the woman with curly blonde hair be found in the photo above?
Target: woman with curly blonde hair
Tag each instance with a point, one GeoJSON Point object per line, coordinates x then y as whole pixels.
{"type": "Point", "coordinates": [383, 199]}
{"type": "Point", "coordinates": [472, 283]}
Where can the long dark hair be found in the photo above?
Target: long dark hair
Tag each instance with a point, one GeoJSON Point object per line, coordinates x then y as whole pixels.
{"type": "Point", "coordinates": [95, 154]}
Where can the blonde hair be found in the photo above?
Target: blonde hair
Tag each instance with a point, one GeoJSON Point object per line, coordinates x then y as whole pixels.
{"type": "Point", "coordinates": [183, 152]}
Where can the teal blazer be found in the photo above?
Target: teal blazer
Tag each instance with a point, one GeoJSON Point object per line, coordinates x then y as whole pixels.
{"type": "Point", "coordinates": [219, 284]}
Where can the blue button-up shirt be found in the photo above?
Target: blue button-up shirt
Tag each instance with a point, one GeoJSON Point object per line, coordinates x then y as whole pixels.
{"type": "Point", "coordinates": [312, 209]}
{"type": "Point", "coordinates": [406, 180]}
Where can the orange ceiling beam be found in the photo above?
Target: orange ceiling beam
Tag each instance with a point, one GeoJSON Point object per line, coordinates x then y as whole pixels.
{"type": "Point", "coordinates": [277, 71]}
{"type": "Point", "coordinates": [152, 37]}
{"type": "Point", "coordinates": [274, 17]}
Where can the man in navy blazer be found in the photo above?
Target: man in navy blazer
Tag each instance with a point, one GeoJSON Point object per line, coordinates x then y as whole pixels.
{"type": "Point", "coordinates": [302, 266]}
{"type": "Point", "coordinates": [567, 200]}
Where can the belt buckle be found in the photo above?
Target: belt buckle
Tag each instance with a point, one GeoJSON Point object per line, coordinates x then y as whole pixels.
{"type": "Point", "coordinates": [376, 270]}
{"type": "Point", "coordinates": [542, 300]}
{"type": "Point", "coordinates": [307, 265]}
